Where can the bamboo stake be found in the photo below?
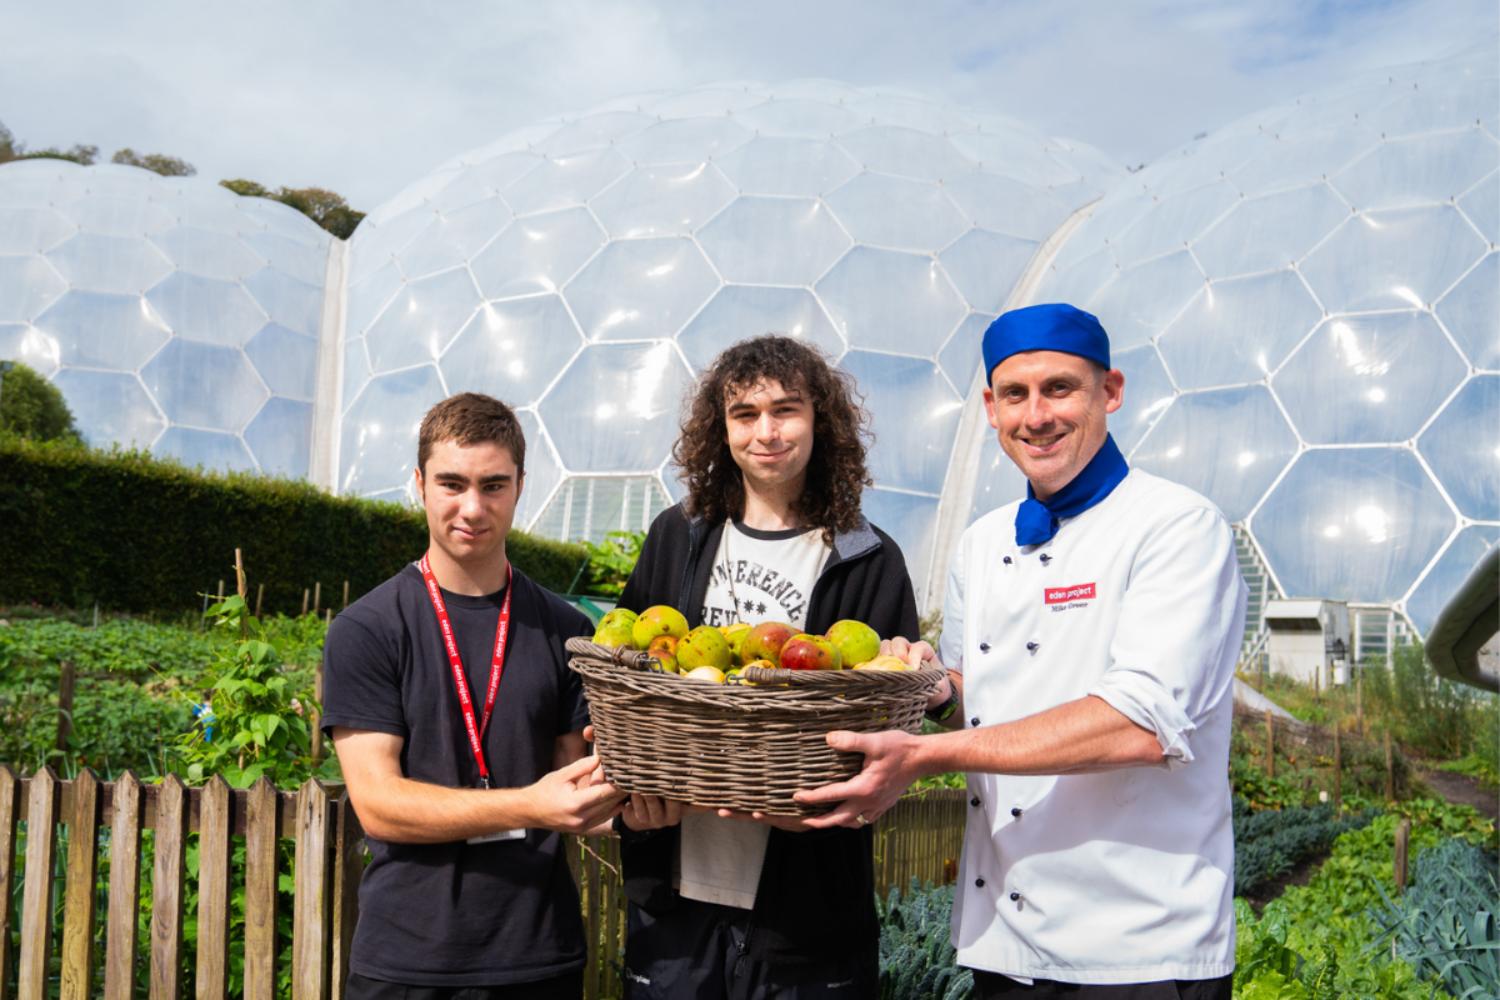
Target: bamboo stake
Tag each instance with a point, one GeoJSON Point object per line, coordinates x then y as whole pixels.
{"type": "Point", "coordinates": [1270, 745]}
{"type": "Point", "coordinates": [221, 589]}
{"type": "Point", "coordinates": [239, 574]}
{"type": "Point", "coordinates": [1403, 844]}
{"type": "Point", "coordinates": [260, 596]}
{"type": "Point", "coordinates": [346, 594]}
{"type": "Point", "coordinates": [1338, 770]}
{"type": "Point", "coordinates": [65, 686]}
{"type": "Point", "coordinates": [305, 594]}
{"type": "Point", "coordinates": [317, 596]}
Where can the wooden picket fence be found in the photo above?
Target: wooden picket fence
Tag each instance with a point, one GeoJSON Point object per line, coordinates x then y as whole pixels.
{"type": "Point", "coordinates": [69, 949]}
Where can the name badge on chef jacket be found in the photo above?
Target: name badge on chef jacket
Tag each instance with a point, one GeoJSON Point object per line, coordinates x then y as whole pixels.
{"type": "Point", "coordinates": [488, 838]}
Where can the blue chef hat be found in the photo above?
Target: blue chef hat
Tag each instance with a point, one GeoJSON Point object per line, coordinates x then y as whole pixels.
{"type": "Point", "coordinates": [1050, 327]}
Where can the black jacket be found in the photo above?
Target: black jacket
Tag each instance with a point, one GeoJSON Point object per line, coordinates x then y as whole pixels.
{"type": "Point", "coordinates": [817, 889]}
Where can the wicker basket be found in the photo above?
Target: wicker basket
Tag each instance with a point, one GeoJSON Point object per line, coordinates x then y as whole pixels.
{"type": "Point", "coordinates": [737, 746]}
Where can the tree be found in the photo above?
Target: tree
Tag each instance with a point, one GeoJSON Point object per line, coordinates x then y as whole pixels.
{"type": "Point", "coordinates": [32, 407]}
{"type": "Point", "coordinates": [327, 208]}
{"type": "Point", "coordinates": [248, 189]}
{"type": "Point", "coordinates": [160, 163]}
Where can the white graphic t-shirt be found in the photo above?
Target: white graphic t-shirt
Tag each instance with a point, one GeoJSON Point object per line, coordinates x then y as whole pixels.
{"type": "Point", "coordinates": [758, 576]}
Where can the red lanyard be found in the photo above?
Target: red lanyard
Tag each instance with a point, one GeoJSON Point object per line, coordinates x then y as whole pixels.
{"type": "Point", "coordinates": [460, 682]}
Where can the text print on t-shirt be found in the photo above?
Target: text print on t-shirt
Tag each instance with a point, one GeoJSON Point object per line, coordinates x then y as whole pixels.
{"type": "Point", "coordinates": [763, 594]}
{"type": "Point", "coordinates": [1065, 598]}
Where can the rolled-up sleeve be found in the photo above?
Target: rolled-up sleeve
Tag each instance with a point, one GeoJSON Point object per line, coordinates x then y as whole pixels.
{"type": "Point", "coordinates": [1181, 620]}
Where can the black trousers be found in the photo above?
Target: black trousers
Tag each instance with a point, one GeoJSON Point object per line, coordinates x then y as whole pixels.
{"type": "Point", "coordinates": [565, 987]}
{"type": "Point", "coordinates": [698, 951]}
{"type": "Point", "coordinates": [991, 984]}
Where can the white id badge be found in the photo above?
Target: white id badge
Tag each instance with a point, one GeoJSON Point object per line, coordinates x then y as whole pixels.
{"type": "Point", "coordinates": [497, 835]}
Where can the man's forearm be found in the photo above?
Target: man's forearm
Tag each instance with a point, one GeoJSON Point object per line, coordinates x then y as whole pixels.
{"type": "Point", "coordinates": [406, 811]}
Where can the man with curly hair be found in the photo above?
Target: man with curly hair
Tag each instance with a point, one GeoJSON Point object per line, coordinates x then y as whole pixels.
{"type": "Point", "coordinates": [772, 451]}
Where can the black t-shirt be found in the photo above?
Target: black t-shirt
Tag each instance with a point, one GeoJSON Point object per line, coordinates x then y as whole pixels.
{"type": "Point", "coordinates": [461, 914]}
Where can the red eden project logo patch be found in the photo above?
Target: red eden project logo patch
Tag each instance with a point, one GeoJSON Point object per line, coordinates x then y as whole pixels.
{"type": "Point", "coordinates": [1064, 595]}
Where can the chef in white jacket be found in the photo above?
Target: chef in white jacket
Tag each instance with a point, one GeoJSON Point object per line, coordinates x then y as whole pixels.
{"type": "Point", "coordinates": [1090, 632]}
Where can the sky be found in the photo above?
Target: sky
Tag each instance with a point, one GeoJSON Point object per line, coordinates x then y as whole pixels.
{"type": "Point", "coordinates": [366, 96]}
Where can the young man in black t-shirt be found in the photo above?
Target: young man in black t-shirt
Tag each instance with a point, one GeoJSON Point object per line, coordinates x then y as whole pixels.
{"type": "Point", "coordinates": [463, 781]}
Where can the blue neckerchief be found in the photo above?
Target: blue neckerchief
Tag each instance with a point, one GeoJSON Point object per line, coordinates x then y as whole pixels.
{"type": "Point", "coordinates": [1037, 520]}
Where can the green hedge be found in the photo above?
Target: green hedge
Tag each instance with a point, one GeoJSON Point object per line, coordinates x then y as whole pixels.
{"type": "Point", "coordinates": [140, 534]}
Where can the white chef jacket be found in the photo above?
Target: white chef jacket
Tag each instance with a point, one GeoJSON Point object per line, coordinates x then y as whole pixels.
{"type": "Point", "coordinates": [1126, 875]}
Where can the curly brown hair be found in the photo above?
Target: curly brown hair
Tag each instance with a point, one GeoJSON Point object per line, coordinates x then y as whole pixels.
{"type": "Point", "coordinates": [836, 473]}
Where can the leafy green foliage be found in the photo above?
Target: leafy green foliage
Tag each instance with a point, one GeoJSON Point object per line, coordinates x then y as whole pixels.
{"type": "Point", "coordinates": [1304, 768]}
{"type": "Point", "coordinates": [324, 207]}
{"type": "Point", "coordinates": [1270, 843]}
{"type": "Point", "coordinates": [147, 535]}
{"type": "Point", "coordinates": [917, 959]}
{"type": "Point", "coordinates": [32, 407]}
{"type": "Point", "coordinates": [1445, 924]}
{"type": "Point", "coordinates": [1434, 716]}
{"type": "Point", "coordinates": [157, 163]}
{"type": "Point", "coordinates": [611, 561]}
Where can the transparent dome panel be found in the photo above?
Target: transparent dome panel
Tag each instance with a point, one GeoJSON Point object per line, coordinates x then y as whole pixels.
{"type": "Point", "coordinates": [204, 385]}
{"type": "Point", "coordinates": [30, 346]}
{"type": "Point", "coordinates": [592, 132]}
{"type": "Point", "coordinates": [280, 437]}
{"type": "Point", "coordinates": [512, 350]}
{"type": "Point", "coordinates": [538, 253]}
{"type": "Point", "coordinates": [774, 241]}
{"type": "Point", "coordinates": [452, 238]}
{"type": "Point", "coordinates": [1229, 445]}
{"type": "Point", "coordinates": [31, 230]}
{"type": "Point", "coordinates": [1367, 379]}
{"type": "Point", "coordinates": [1270, 232]}
{"type": "Point", "coordinates": [1015, 154]}
{"type": "Point", "coordinates": [215, 312]}
{"type": "Point", "coordinates": [913, 112]}
{"type": "Point", "coordinates": [1141, 301]}
{"type": "Point", "coordinates": [615, 409]}
{"type": "Point", "coordinates": [906, 152]}
{"type": "Point", "coordinates": [985, 266]}
{"type": "Point", "coordinates": [1482, 207]}
{"type": "Point", "coordinates": [676, 141]}
{"type": "Point", "coordinates": [788, 166]}
{"type": "Point", "coordinates": [565, 181]}
{"type": "Point", "coordinates": [28, 285]}
{"type": "Point", "coordinates": [422, 320]}
{"type": "Point", "coordinates": [1400, 259]}
{"type": "Point", "coordinates": [739, 312]}
{"type": "Point", "coordinates": [378, 449]}
{"type": "Point", "coordinates": [287, 301]}
{"type": "Point", "coordinates": [211, 450]}
{"type": "Point", "coordinates": [713, 100]}
{"type": "Point", "coordinates": [1300, 159]}
{"type": "Point", "coordinates": [481, 181]}
{"type": "Point", "coordinates": [897, 212]}
{"type": "Point", "coordinates": [798, 118]}
{"type": "Point", "coordinates": [641, 288]}
{"type": "Point", "coordinates": [891, 301]}
{"type": "Point", "coordinates": [1239, 330]}
{"type": "Point", "coordinates": [356, 371]}
{"type": "Point", "coordinates": [1175, 222]}
{"type": "Point", "coordinates": [125, 264]}
{"type": "Point", "coordinates": [1425, 170]}
{"type": "Point", "coordinates": [997, 483]}
{"type": "Point", "coordinates": [1462, 447]}
{"type": "Point", "coordinates": [104, 331]}
{"type": "Point", "coordinates": [911, 521]}
{"type": "Point", "coordinates": [126, 214]}
{"type": "Point", "coordinates": [283, 222]}
{"type": "Point", "coordinates": [961, 357]}
{"type": "Point", "coordinates": [1008, 206]}
{"type": "Point", "coordinates": [586, 508]}
{"type": "Point", "coordinates": [1453, 567]}
{"type": "Point", "coordinates": [369, 297]}
{"type": "Point", "coordinates": [543, 472]}
{"type": "Point", "coordinates": [915, 419]}
{"type": "Point", "coordinates": [1471, 312]}
{"type": "Point", "coordinates": [208, 254]}
{"type": "Point", "coordinates": [1078, 281]}
{"type": "Point", "coordinates": [666, 200]}
{"type": "Point", "coordinates": [286, 360]}
{"type": "Point", "coordinates": [1148, 394]}
{"type": "Point", "coordinates": [308, 263]}
{"type": "Point", "coordinates": [1352, 524]}
{"type": "Point", "coordinates": [110, 408]}
{"type": "Point", "coordinates": [376, 244]}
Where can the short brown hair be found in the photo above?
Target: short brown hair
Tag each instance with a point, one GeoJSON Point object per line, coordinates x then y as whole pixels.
{"type": "Point", "coordinates": [836, 473]}
{"type": "Point", "coordinates": [471, 418]}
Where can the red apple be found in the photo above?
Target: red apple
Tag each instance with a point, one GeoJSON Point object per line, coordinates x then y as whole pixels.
{"type": "Point", "coordinates": [764, 641]}
{"type": "Point", "coordinates": [810, 652]}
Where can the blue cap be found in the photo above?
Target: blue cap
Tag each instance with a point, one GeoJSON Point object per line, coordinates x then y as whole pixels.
{"type": "Point", "coordinates": [1051, 327]}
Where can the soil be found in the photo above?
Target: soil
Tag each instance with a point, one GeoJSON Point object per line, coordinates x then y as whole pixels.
{"type": "Point", "coordinates": [1462, 790]}
{"type": "Point", "coordinates": [1300, 875]}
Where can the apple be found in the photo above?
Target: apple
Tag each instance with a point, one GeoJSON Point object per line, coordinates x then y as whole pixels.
{"type": "Point", "coordinates": [810, 652]}
{"type": "Point", "coordinates": [663, 644]}
{"type": "Point", "coordinates": [886, 662]}
{"type": "Point", "coordinates": [711, 675]}
{"type": "Point", "coordinates": [856, 641]}
{"type": "Point", "coordinates": [704, 646]}
{"type": "Point", "coordinates": [658, 620]}
{"type": "Point", "coordinates": [735, 635]}
{"type": "Point", "coordinates": [615, 633]}
{"type": "Point", "coordinates": [666, 663]}
{"type": "Point", "coordinates": [764, 641]}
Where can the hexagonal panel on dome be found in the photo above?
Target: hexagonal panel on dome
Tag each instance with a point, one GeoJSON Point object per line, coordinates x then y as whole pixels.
{"type": "Point", "coordinates": [912, 521]}
{"type": "Point", "coordinates": [1471, 312]}
{"type": "Point", "coordinates": [1352, 524]}
{"type": "Point", "coordinates": [891, 301]}
{"type": "Point", "coordinates": [124, 264]}
{"type": "Point", "coordinates": [1462, 450]}
{"type": "Point", "coordinates": [1006, 205]}
{"type": "Point", "coordinates": [125, 214]}
{"type": "Point", "coordinates": [998, 482]}
{"type": "Point", "coordinates": [907, 152]}
{"type": "Point", "coordinates": [538, 253]}
{"type": "Point", "coordinates": [280, 437]}
{"type": "Point", "coordinates": [287, 301]}
{"type": "Point", "coordinates": [669, 199]}
{"type": "Point", "coordinates": [641, 288]}
{"type": "Point", "coordinates": [378, 447]}
{"type": "Point", "coordinates": [543, 472]}
{"type": "Point", "coordinates": [589, 507]}
{"type": "Point", "coordinates": [592, 132]}
{"type": "Point", "coordinates": [32, 230]}
{"type": "Point", "coordinates": [1141, 301]}
{"type": "Point", "coordinates": [1175, 222]}
{"type": "Point", "coordinates": [1482, 207]}
{"type": "Point", "coordinates": [1238, 330]}
{"type": "Point", "coordinates": [1228, 444]}
{"type": "Point", "coordinates": [1148, 394]}
{"type": "Point", "coordinates": [738, 312]}
{"type": "Point", "coordinates": [565, 181]}
{"type": "Point", "coordinates": [27, 286]}
{"type": "Point", "coordinates": [512, 349]}
{"type": "Point", "coordinates": [209, 254]}
{"type": "Point", "coordinates": [915, 422]}
{"type": "Point", "coordinates": [615, 409]}
{"type": "Point", "coordinates": [1431, 595]}
{"type": "Point", "coordinates": [1423, 170]}
{"type": "Point", "coordinates": [210, 450]}
{"type": "Point", "coordinates": [985, 266]}
{"type": "Point", "coordinates": [295, 257]}
{"type": "Point", "coordinates": [110, 407]}
{"type": "Point", "coordinates": [776, 164]}
{"type": "Point", "coordinates": [897, 212]}
{"type": "Point", "coordinates": [682, 139]}
{"type": "Point", "coordinates": [1269, 232]}
{"type": "Point", "coordinates": [1368, 378]}
{"type": "Point", "coordinates": [486, 179]}
{"type": "Point", "coordinates": [1397, 259]}
{"type": "Point", "coordinates": [1299, 159]}
{"type": "Point", "coordinates": [798, 116]}
{"type": "Point", "coordinates": [453, 237]}
{"type": "Point", "coordinates": [367, 298]}
{"type": "Point", "coordinates": [204, 385]}
{"type": "Point", "coordinates": [96, 330]}
{"type": "Point", "coordinates": [960, 357]}
{"type": "Point", "coordinates": [286, 360]}
{"type": "Point", "coordinates": [30, 346]}
{"type": "Point", "coordinates": [215, 312]}
{"type": "Point", "coordinates": [773, 241]}
{"type": "Point", "coordinates": [421, 321]}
